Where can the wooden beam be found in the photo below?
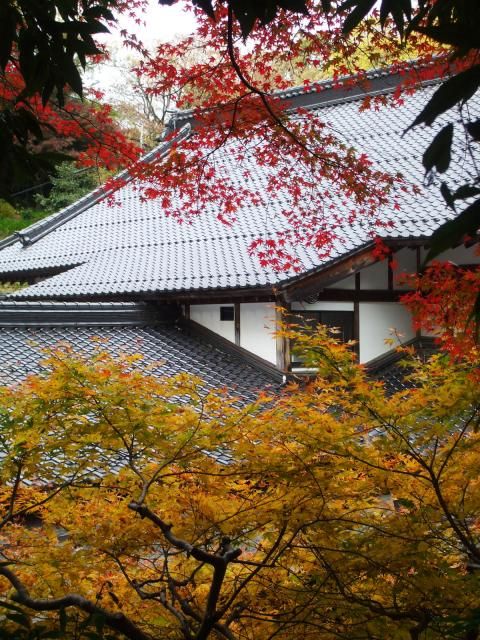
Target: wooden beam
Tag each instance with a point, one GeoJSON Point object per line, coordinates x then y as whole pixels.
{"type": "Point", "coordinates": [194, 297]}
{"type": "Point", "coordinates": [410, 243]}
{"type": "Point", "coordinates": [390, 271]}
{"type": "Point", "coordinates": [307, 286]}
{"type": "Point", "coordinates": [365, 295]}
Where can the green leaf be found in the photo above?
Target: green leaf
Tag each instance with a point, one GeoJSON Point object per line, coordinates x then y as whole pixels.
{"type": "Point", "coordinates": [247, 12]}
{"type": "Point", "coordinates": [101, 12]}
{"type": "Point", "coordinates": [452, 232]}
{"type": "Point", "coordinates": [400, 10]}
{"type": "Point", "coordinates": [452, 34]}
{"type": "Point", "coordinates": [8, 22]}
{"type": "Point", "coordinates": [456, 90]}
{"type": "Point", "coordinates": [439, 152]}
{"type": "Point", "coordinates": [466, 191]}
{"type": "Point", "coordinates": [362, 8]}
{"type": "Point", "coordinates": [73, 77]}
{"type": "Point", "coordinates": [447, 195]}
{"type": "Point", "coordinates": [473, 129]}
{"type": "Point", "coordinates": [205, 5]}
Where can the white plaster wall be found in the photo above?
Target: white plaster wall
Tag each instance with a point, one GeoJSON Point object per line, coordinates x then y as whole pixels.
{"type": "Point", "coordinates": [377, 319]}
{"type": "Point", "coordinates": [345, 283]}
{"type": "Point", "coordinates": [322, 306]}
{"type": "Point", "coordinates": [375, 276]}
{"type": "Point", "coordinates": [406, 260]}
{"type": "Point", "coordinates": [208, 315]}
{"type": "Point", "coordinates": [461, 255]}
{"type": "Point", "coordinates": [257, 327]}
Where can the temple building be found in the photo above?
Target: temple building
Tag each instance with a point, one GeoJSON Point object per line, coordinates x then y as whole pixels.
{"type": "Point", "coordinates": [193, 297]}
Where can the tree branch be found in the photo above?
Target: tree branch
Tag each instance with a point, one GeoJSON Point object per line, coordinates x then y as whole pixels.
{"type": "Point", "coordinates": [219, 562]}
{"type": "Point", "coordinates": [116, 621]}
{"type": "Point", "coordinates": [263, 96]}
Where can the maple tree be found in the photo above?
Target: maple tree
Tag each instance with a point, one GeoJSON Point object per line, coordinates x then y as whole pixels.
{"type": "Point", "coordinates": [145, 508]}
{"type": "Point", "coordinates": [306, 165]}
{"type": "Point", "coordinates": [321, 28]}
{"type": "Point", "coordinates": [319, 182]}
{"type": "Point", "coordinates": [83, 131]}
{"type": "Point", "coordinates": [232, 94]}
{"type": "Point", "coordinates": [44, 46]}
{"type": "Point", "coordinates": [444, 303]}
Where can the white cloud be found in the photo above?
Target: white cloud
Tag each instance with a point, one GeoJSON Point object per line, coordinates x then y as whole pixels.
{"type": "Point", "coordinates": [162, 23]}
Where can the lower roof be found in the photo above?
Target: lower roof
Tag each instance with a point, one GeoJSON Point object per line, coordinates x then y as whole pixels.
{"type": "Point", "coordinates": [28, 330]}
{"type": "Point", "coordinates": [392, 368]}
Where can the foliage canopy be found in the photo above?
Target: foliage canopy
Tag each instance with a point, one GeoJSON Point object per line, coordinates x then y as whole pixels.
{"type": "Point", "coordinates": [332, 511]}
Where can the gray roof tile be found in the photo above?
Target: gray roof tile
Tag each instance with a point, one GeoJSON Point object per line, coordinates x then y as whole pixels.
{"type": "Point", "coordinates": [135, 248]}
{"type": "Point", "coordinates": [393, 368]}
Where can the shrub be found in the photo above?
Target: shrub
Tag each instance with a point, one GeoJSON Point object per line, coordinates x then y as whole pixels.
{"type": "Point", "coordinates": [8, 211]}
{"type": "Point", "coordinates": [69, 184]}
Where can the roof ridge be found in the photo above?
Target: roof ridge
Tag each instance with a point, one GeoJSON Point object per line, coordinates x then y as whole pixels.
{"type": "Point", "coordinates": [340, 85]}
{"type": "Point", "coordinates": [69, 304]}
{"type": "Point", "coordinates": [371, 74]}
{"type": "Point", "coordinates": [397, 354]}
{"type": "Point", "coordinates": [42, 227]}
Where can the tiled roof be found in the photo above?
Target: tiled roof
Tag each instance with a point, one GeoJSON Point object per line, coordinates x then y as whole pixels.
{"type": "Point", "coordinates": [135, 249]}
{"type": "Point", "coordinates": [120, 329]}
{"type": "Point", "coordinates": [392, 368]}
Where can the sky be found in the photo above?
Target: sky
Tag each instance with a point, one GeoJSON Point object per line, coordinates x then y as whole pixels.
{"type": "Point", "coordinates": [161, 24]}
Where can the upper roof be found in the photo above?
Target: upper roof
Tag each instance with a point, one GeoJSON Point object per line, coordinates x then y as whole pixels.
{"type": "Point", "coordinates": [28, 329]}
{"type": "Point", "coordinates": [100, 251]}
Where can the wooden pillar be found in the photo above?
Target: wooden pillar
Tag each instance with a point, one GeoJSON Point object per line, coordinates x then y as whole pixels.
{"type": "Point", "coordinates": [283, 344]}
{"type": "Point", "coordinates": [236, 316]}
{"type": "Point", "coordinates": [356, 316]}
{"type": "Point", "coordinates": [419, 259]}
{"type": "Point", "coordinates": [418, 251]}
{"type": "Point", "coordinates": [390, 272]}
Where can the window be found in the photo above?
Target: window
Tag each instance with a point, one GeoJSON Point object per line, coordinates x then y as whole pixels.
{"type": "Point", "coordinates": [227, 314]}
{"type": "Point", "coordinates": [340, 320]}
